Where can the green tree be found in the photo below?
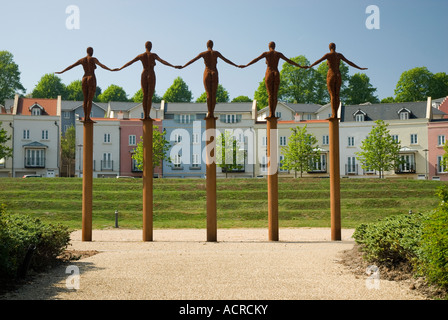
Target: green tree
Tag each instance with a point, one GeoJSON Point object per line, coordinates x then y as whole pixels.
{"type": "Point", "coordinates": [74, 91]}
{"type": "Point", "coordinates": [68, 149]}
{"type": "Point", "coordinates": [414, 85]}
{"type": "Point", "coordinates": [229, 154]}
{"type": "Point", "coordinates": [242, 99]}
{"type": "Point", "coordinates": [5, 152]}
{"type": "Point", "coordinates": [113, 93]}
{"type": "Point", "coordinates": [9, 77]}
{"type": "Point", "coordinates": [439, 85]}
{"type": "Point", "coordinates": [359, 90]}
{"type": "Point", "coordinates": [261, 95]}
{"type": "Point", "coordinates": [138, 97]}
{"type": "Point", "coordinates": [160, 147]}
{"type": "Point", "coordinates": [380, 151]}
{"type": "Point", "coordinates": [388, 100]}
{"type": "Point", "coordinates": [297, 85]}
{"type": "Point", "coordinates": [221, 95]}
{"type": "Point", "coordinates": [301, 152]}
{"type": "Point", "coordinates": [50, 86]}
{"type": "Point", "coordinates": [445, 156]}
{"type": "Point", "coordinates": [178, 92]}
{"type": "Point", "coordinates": [322, 96]}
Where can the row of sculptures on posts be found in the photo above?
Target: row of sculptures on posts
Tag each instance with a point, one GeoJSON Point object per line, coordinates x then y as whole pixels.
{"type": "Point", "coordinates": [210, 56]}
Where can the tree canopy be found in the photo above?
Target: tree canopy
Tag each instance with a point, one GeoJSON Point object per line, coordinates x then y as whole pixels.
{"type": "Point", "coordinates": [178, 92]}
{"type": "Point", "coordinates": [221, 95]}
{"type": "Point", "coordinates": [50, 86]}
{"type": "Point", "coordinates": [9, 77]}
{"type": "Point", "coordinates": [113, 93]}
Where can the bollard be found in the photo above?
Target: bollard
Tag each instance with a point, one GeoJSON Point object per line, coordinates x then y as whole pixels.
{"type": "Point", "coordinates": [116, 218]}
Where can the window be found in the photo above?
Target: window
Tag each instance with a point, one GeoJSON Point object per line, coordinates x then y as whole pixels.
{"type": "Point", "coordinates": [195, 138]}
{"type": "Point", "coordinates": [135, 167]}
{"type": "Point", "coordinates": [407, 163]}
{"type": "Point", "coordinates": [26, 134]}
{"type": "Point", "coordinates": [66, 114]}
{"type": "Point", "coordinates": [44, 134]}
{"type": "Point", "coordinates": [326, 140]}
{"type": "Point", "coordinates": [264, 164]}
{"type": "Point", "coordinates": [351, 141]}
{"type": "Point", "coordinates": [195, 160]}
{"type": "Point", "coordinates": [107, 138]}
{"type": "Point", "coordinates": [404, 115]}
{"type": "Point", "coordinates": [177, 138]}
{"type": "Point", "coordinates": [264, 141]}
{"type": "Point", "coordinates": [35, 158]}
{"type": "Point", "coordinates": [320, 164]}
{"type": "Point", "coordinates": [414, 139]}
{"type": "Point", "coordinates": [107, 163]}
{"type": "Point", "coordinates": [36, 111]}
{"type": "Point", "coordinates": [278, 114]}
{"type": "Point", "coordinates": [351, 165]}
{"type": "Point", "coordinates": [281, 165]}
{"type": "Point", "coordinates": [282, 141]}
{"type": "Point", "coordinates": [441, 167]}
{"type": "Point", "coordinates": [359, 117]}
{"type": "Point", "coordinates": [395, 138]}
{"type": "Point", "coordinates": [132, 140]}
{"type": "Point", "coordinates": [441, 141]}
{"type": "Point", "coordinates": [184, 118]}
{"type": "Point", "coordinates": [309, 116]}
{"type": "Point", "coordinates": [176, 159]}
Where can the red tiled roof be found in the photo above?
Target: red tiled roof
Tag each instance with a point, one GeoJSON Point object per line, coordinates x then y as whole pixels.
{"type": "Point", "coordinates": [49, 106]}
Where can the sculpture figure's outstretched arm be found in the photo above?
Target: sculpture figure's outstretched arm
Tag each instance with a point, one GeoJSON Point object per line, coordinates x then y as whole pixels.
{"type": "Point", "coordinates": [290, 61]}
{"type": "Point", "coordinates": [227, 60]}
{"type": "Point", "coordinates": [166, 63]}
{"type": "Point", "coordinates": [77, 63]}
{"type": "Point", "coordinates": [319, 61]}
{"type": "Point", "coordinates": [263, 55]}
{"type": "Point", "coordinates": [102, 65]}
{"type": "Point", "coordinates": [129, 63]}
{"type": "Point", "coordinates": [192, 60]}
{"type": "Point", "coordinates": [350, 63]}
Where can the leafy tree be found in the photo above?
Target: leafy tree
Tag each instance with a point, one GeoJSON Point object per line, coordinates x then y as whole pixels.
{"type": "Point", "coordinates": [9, 77]}
{"type": "Point", "coordinates": [229, 155]}
{"type": "Point", "coordinates": [322, 96]}
{"type": "Point", "coordinates": [74, 91]}
{"type": "Point", "coordinates": [178, 92]}
{"type": "Point", "coordinates": [261, 95]}
{"type": "Point", "coordinates": [297, 85]}
{"type": "Point", "coordinates": [380, 151]}
{"type": "Point", "coordinates": [388, 100]}
{"type": "Point", "coordinates": [242, 99]}
{"type": "Point", "coordinates": [113, 93]}
{"type": "Point", "coordinates": [359, 90]}
{"type": "Point", "coordinates": [419, 83]}
{"type": "Point", "coordinates": [50, 86]}
{"type": "Point", "coordinates": [5, 152]}
{"type": "Point", "coordinates": [68, 148]}
{"type": "Point", "coordinates": [445, 156]}
{"type": "Point", "coordinates": [221, 95]}
{"type": "Point", "coordinates": [160, 147]}
{"type": "Point", "coordinates": [138, 97]}
{"type": "Point", "coordinates": [301, 153]}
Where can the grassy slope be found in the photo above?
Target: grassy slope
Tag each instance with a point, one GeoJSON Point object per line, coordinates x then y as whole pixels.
{"type": "Point", "coordinates": [181, 203]}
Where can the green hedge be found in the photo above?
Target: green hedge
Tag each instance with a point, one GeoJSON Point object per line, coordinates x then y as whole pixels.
{"type": "Point", "coordinates": [18, 232]}
{"type": "Point", "coordinates": [420, 239]}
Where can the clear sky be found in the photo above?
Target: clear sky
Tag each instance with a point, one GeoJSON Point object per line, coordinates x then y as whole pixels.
{"type": "Point", "coordinates": [412, 34]}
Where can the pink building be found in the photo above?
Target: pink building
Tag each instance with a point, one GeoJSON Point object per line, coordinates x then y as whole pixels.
{"type": "Point", "coordinates": [437, 138]}
{"type": "Point", "coordinates": [130, 135]}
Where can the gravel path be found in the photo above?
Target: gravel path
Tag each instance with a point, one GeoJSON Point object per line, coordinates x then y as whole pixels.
{"type": "Point", "coordinates": [179, 264]}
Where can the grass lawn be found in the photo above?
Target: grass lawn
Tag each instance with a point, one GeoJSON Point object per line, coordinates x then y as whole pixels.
{"type": "Point", "coordinates": [242, 203]}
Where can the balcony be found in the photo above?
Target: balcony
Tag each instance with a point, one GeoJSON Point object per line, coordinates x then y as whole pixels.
{"type": "Point", "coordinates": [107, 165]}
{"type": "Point", "coordinates": [406, 168]}
{"type": "Point", "coordinates": [351, 169]}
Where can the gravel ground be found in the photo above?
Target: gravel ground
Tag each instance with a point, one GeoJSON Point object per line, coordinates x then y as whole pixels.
{"type": "Point", "coordinates": [243, 264]}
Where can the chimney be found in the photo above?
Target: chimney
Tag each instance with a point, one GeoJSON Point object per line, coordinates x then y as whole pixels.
{"type": "Point", "coordinates": [429, 109]}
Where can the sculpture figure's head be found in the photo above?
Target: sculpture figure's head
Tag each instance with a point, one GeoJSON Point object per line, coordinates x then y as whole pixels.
{"type": "Point", "coordinates": [148, 45]}
{"type": "Point", "coordinates": [210, 44]}
{"type": "Point", "coordinates": [90, 51]}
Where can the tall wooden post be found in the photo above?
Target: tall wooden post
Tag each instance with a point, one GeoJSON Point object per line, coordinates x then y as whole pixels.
{"type": "Point", "coordinates": [147, 180]}
{"type": "Point", "coordinates": [335, 191]}
{"type": "Point", "coordinates": [210, 128]}
{"type": "Point", "coordinates": [272, 154]}
{"type": "Point", "coordinates": [87, 179]}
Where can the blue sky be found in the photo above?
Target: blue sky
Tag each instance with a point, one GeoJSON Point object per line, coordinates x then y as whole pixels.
{"type": "Point", "coordinates": [412, 34]}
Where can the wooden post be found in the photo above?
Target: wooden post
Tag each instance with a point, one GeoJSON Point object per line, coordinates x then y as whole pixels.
{"type": "Point", "coordinates": [335, 185]}
{"type": "Point", "coordinates": [272, 153]}
{"type": "Point", "coordinates": [147, 180]}
{"type": "Point", "coordinates": [210, 128]}
{"type": "Point", "coordinates": [87, 179]}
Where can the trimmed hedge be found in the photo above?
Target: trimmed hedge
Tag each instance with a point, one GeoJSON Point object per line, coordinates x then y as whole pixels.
{"type": "Point", "coordinates": [420, 239]}
{"type": "Point", "coordinates": [18, 232]}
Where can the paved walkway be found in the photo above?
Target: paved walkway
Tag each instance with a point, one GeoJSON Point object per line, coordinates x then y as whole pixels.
{"type": "Point", "coordinates": [179, 264]}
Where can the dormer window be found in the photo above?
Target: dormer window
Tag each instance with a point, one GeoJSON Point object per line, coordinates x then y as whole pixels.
{"type": "Point", "coordinates": [36, 109]}
{"type": "Point", "coordinates": [404, 114]}
{"type": "Point", "coordinates": [360, 116]}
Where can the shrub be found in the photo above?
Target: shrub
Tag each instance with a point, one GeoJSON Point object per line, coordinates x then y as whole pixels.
{"type": "Point", "coordinates": [18, 232]}
{"type": "Point", "coordinates": [391, 240]}
{"type": "Point", "coordinates": [434, 244]}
